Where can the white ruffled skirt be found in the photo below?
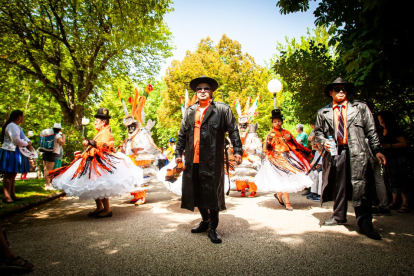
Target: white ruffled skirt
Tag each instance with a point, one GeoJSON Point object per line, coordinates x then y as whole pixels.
{"type": "Point", "coordinates": [270, 179]}
{"type": "Point", "coordinates": [123, 179]}
{"type": "Point", "coordinates": [174, 187]}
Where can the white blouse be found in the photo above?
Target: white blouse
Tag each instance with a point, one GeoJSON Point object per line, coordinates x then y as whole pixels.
{"type": "Point", "coordinates": [14, 136]}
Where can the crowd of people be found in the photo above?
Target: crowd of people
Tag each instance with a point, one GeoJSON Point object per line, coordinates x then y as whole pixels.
{"type": "Point", "coordinates": [344, 156]}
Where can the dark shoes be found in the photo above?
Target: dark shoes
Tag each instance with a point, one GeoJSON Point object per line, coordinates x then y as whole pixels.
{"type": "Point", "coordinates": [212, 233]}
{"type": "Point", "coordinates": [214, 236]}
{"type": "Point", "coordinates": [333, 222]}
{"type": "Point", "coordinates": [370, 233]}
{"type": "Point", "coordinates": [109, 215]}
{"type": "Point", "coordinates": [94, 214]}
{"type": "Point", "coordinates": [383, 211]}
{"type": "Point", "coordinates": [202, 227]}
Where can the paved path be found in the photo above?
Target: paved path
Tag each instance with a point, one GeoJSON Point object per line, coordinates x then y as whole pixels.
{"type": "Point", "coordinates": [259, 238]}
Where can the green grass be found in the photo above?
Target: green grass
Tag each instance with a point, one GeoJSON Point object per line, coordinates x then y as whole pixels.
{"type": "Point", "coordinates": [28, 191]}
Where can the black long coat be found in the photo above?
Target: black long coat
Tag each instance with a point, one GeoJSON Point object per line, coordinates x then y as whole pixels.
{"type": "Point", "coordinates": [363, 142]}
{"type": "Point", "coordinates": [217, 120]}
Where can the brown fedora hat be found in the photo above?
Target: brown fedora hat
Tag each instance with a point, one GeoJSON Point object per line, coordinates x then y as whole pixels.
{"type": "Point", "coordinates": [203, 79]}
{"type": "Point", "coordinates": [350, 87]}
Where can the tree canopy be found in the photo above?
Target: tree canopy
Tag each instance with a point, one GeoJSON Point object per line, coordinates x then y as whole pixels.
{"type": "Point", "coordinates": [71, 47]}
{"type": "Point", "coordinates": [238, 75]}
{"type": "Point", "coordinates": [374, 40]}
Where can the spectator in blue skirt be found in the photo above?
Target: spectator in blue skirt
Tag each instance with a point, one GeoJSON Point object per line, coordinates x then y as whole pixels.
{"type": "Point", "coordinates": [11, 160]}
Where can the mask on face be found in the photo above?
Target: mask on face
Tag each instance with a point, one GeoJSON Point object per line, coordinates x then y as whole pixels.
{"type": "Point", "coordinates": [132, 128]}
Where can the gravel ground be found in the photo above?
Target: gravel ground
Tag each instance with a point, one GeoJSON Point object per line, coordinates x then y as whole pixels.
{"type": "Point", "coordinates": [259, 238]}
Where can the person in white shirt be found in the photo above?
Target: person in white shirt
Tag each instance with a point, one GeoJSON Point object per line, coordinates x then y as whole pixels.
{"type": "Point", "coordinates": [49, 157]}
{"type": "Point", "coordinates": [11, 160]}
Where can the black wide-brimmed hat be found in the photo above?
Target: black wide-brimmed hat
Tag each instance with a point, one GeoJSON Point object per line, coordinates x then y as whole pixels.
{"type": "Point", "coordinates": [203, 79]}
{"type": "Point", "coordinates": [350, 87]}
{"type": "Point", "coordinates": [103, 113]}
{"type": "Point", "coordinates": [277, 114]}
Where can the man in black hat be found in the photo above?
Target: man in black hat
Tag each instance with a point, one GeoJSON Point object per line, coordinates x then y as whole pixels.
{"type": "Point", "coordinates": [202, 137]}
{"type": "Point", "coordinates": [351, 125]}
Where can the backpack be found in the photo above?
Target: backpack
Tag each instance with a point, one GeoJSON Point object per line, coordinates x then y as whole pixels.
{"type": "Point", "coordinates": [47, 137]}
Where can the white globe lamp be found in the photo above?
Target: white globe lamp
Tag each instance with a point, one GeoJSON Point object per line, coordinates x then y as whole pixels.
{"type": "Point", "coordinates": [274, 86]}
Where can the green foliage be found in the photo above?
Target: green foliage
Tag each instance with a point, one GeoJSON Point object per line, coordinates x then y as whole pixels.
{"type": "Point", "coordinates": [238, 76]}
{"type": "Point", "coordinates": [29, 191]}
{"type": "Point", "coordinates": [71, 47]}
{"type": "Point", "coordinates": [306, 68]}
{"type": "Point", "coordinates": [374, 39]}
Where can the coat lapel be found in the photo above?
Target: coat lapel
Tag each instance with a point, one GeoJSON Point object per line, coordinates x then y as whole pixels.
{"type": "Point", "coordinates": [210, 109]}
{"type": "Point", "coordinates": [191, 115]}
{"type": "Point", "coordinates": [351, 113]}
{"type": "Point", "coordinates": [329, 116]}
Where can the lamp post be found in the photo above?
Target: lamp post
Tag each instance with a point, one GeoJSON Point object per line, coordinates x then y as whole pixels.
{"type": "Point", "coordinates": [85, 121]}
{"type": "Point", "coordinates": [274, 86]}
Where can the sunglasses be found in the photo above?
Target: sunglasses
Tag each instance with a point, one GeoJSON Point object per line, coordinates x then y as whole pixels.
{"type": "Point", "coordinates": [339, 89]}
{"type": "Point", "coordinates": [201, 88]}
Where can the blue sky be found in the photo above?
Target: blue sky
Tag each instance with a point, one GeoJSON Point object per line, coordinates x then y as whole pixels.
{"type": "Point", "coordinates": [257, 25]}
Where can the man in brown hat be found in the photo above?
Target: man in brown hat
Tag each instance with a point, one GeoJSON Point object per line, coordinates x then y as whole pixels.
{"type": "Point", "coordinates": [201, 136]}
{"type": "Point", "coordinates": [351, 125]}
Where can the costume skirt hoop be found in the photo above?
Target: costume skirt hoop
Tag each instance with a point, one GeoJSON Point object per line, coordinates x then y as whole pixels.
{"type": "Point", "coordinates": [99, 176]}
{"type": "Point", "coordinates": [271, 178]}
{"type": "Point", "coordinates": [13, 161]}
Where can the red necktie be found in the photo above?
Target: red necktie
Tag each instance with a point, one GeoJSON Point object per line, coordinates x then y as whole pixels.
{"type": "Point", "coordinates": [340, 123]}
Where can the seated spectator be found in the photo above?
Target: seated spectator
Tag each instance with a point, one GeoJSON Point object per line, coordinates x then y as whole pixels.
{"type": "Point", "coordinates": [302, 137]}
{"type": "Point", "coordinates": [394, 146]}
{"type": "Point", "coordinates": [10, 262]}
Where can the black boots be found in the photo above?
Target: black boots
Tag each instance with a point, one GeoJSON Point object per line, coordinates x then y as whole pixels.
{"type": "Point", "coordinates": [202, 227]}
{"type": "Point", "coordinates": [214, 236]}
{"type": "Point", "coordinates": [212, 232]}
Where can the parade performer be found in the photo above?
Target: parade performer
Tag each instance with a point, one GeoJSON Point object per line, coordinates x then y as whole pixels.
{"type": "Point", "coordinates": [285, 165]}
{"type": "Point", "coordinates": [139, 145]}
{"type": "Point", "coordinates": [344, 174]}
{"type": "Point", "coordinates": [243, 175]}
{"type": "Point", "coordinates": [201, 138]}
{"type": "Point", "coordinates": [171, 149]}
{"type": "Point", "coordinates": [98, 172]}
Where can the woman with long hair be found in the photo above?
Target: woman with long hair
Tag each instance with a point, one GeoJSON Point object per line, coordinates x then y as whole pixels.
{"type": "Point", "coordinates": [394, 146]}
{"type": "Point", "coordinates": [285, 164]}
{"type": "Point", "coordinates": [11, 160]}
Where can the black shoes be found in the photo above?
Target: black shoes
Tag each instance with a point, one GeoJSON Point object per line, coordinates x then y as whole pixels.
{"type": "Point", "coordinates": [109, 215]}
{"type": "Point", "coordinates": [202, 227]}
{"type": "Point", "coordinates": [94, 214]}
{"type": "Point", "coordinates": [212, 233]}
{"type": "Point", "coordinates": [214, 236]}
{"type": "Point", "coordinates": [333, 222]}
{"type": "Point", "coordinates": [383, 211]}
{"type": "Point", "coordinates": [370, 233]}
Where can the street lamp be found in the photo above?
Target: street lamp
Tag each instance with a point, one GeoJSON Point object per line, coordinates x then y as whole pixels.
{"type": "Point", "coordinates": [274, 86]}
{"type": "Point", "coordinates": [85, 121]}
{"type": "Point", "coordinates": [30, 134]}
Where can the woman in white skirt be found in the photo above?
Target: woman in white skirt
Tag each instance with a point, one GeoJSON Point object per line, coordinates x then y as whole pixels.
{"type": "Point", "coordinates": [99, 172]}
{"type": "Point", "coordinates": [285, 164]}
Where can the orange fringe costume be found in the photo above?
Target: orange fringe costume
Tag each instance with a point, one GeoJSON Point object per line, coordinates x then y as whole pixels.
{"type": "Point", "coordinates": [139, 146]}
{"type": "Point", "coordinates": [285, 164]}
{"type": "Point", "coordinates": [98, 172]}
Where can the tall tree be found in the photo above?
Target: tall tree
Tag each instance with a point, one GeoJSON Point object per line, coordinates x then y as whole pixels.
{"type": "Point", "coordinates": [71, 46]}
{"type": "Point", "coordinates": [306, 67]}
{"type": "Point", "coordinates": [375, 39]}
{"type": "Point", "coordinates": [237, 73]}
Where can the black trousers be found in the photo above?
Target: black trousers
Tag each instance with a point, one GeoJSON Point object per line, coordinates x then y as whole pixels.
{"type": "Point", "coordinates": [206, 214]}
{"type": "Point", "coordinates": [340, 174]}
